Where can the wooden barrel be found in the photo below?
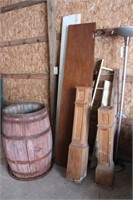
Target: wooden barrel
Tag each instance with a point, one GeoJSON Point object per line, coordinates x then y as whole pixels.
{"type": "Point", "coordinates": [27, 139]}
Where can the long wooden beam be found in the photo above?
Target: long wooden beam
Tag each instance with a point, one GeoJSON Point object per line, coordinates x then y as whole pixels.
{"type": "Point", "coordinates": [22, 4]}
{"type": "Point", "coordinates": [25, 76]}
{"type": "Point", "coordinates": [26, 41]}
{"type": "Point", "coordinates": [23, 41]}
{"type": "Point", "coordinates": [51, 15]}
{"type": "Point", "coordinates": [1, 104]}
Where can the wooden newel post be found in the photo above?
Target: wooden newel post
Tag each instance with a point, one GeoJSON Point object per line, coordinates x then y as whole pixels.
{"type": "Point", "coordinates": [78, 149]}
{"type": "Point", "coordinates": [106, 133]}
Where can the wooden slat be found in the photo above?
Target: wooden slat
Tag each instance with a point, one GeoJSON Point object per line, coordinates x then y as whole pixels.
{"type": "Point", "coordinates": [1, 102]}
{"type": "Point", "coordinates": [25, 76]}
{"type": "Point", "coordinates": [23, 41]}
{"type": "Point", "coordinates": [26, 41]}
{"type": "Point", "coordinates": [52, 56]}
{"type": "Point", "coordinates": [79, 64]}
{"type": "Point", "coordinates": [20, 5]}
{"type": "Point", "coordinates": [67, 20]}
{"type": "Point", "coordinates": [115, 90]}
{"type": "Point", "coordinates": [104, 32]}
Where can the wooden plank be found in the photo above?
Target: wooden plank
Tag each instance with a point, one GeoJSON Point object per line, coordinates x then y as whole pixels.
{"type": "Point", "coordinates": [129, 78]}
{"type": "Point", "coordinates": [79, 65]}
{"type": "Point", "coordinates": [1, 100]}
{"type": "Point", "coordinates": [25, 76]}
{"type": "Point", "coordinates": [1, 106]}
{"type": "Point", "coordinates": [106, 93]}
{"type": "Point", "coordinates": [33, 40]}
{"type": "Point", "coordinates": [20, 5]}
{"type": "Point", "coordinates": [51, 13]}
{"type": "Point", "coordinates": [115, 89]}
{"type": "Point", "coordinates": [97, 81]}
{"type": "Point", "coordinates": [23, 41]}
{"type": "Point", "coordinates": [67, 20]}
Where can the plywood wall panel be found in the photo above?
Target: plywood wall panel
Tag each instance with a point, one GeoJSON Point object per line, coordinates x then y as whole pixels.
{"type": "Point", "coordinates": [32, 21]}
{"type": "Point", "coordinates": [31, 58]}
{"type": "Point", "coordinates": [106, 14]}
{"type": "Point", "coordinates": [21, 90]}
{"type": "Point", "coordinates": [8, 2]}
{"type": "Point", "coordinates": [128, 100]}
{"type": "Point", "coordinates": [24, 23]}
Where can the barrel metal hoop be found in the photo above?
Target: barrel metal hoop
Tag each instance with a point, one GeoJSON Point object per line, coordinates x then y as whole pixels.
{"type": "Point", "coordinates": [25, 121]}
{"type": "Point", "coordinates": [29, 162]}
{"type": "Point", "coordinates": [32, 173]}
{"type": "Point", "coordinates": [26, 137]}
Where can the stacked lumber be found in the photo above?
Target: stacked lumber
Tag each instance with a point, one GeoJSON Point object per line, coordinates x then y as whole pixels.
{"type": "Point", "coordinates": [78, 149]}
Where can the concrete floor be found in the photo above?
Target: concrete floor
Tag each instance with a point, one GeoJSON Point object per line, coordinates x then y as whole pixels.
{"type": "Point", "coordinates": [55, 186]}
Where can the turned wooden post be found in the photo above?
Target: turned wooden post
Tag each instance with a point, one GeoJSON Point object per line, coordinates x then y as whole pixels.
{"type": "Point", "coordinates": [78, 149]}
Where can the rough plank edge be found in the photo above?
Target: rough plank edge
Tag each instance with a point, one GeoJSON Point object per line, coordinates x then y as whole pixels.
{"type": "Point", "coordinates": [1, 103]}
{"type": "Point", "coordinates": [114, 93]}
{"type": "Point", "coordinates": [20, 5]}
{"type": "Point", "coordinates": [51, 16]}
{"type": "Point", "coordinates": [25, 76]}
{"type": "Point", "coordinates": [26, 41]}
{"type": "Point", "coordinates": [23, 41]}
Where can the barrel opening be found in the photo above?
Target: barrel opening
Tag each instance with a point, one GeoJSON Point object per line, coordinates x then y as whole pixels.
{"type": "Point", "coordinates": [25, 108]}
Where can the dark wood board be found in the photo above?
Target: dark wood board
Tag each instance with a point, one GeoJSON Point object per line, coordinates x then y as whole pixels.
{"type": "Point", "coordinates": [79, 65]}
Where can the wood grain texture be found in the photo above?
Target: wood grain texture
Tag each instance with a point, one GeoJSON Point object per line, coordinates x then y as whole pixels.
{"type": "Point", "coordinates": [81, 116]}
{"type": "Point", "coordinates": [79, 144]}
{"type": "Point", "coordinates": [52, 56]}
{"type": "Point", "coordinates": [20, 5]}
{"type": "Point", "coordinates": [25, 76]}
{"type": "Point", "coordinates": [27, 139]}
{"type": "Point", "coordinates": [23, 41]}
{"type": "Point", "coordinates": [78, 72]}
{"type": "Point", "coordinates": [79, 158]}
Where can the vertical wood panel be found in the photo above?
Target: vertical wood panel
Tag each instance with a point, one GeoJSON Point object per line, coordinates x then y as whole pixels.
{"type": "Point", "coordinates": [52, 54]}
{"type": "Point", "coordinates": [78, 72]}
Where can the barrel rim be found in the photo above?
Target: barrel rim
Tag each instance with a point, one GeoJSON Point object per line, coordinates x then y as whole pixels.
{"type": "Point", "coordinates": [26, 115]}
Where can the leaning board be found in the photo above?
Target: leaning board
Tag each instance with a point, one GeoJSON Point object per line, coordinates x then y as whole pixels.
{"type": "Point", "coordinates": [78, 71]}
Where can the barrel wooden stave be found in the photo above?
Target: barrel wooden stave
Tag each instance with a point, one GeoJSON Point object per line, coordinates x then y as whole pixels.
{"type": "Point", "coordinates": [28, 146]}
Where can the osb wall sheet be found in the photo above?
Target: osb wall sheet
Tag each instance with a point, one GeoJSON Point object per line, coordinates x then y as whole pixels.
{"type": "Point", "coordinates": [106, 14]}
{"type": "Point", "coordinates": [21, 90]}
{"type": "Point", "coordinates": [8, 2]}
{"type": "Point", "coordinates": [31, 58]}
{"type": "Point", "coordinates": [128, 100]}
{"type": "Point", "coordinates": [24, 23]}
